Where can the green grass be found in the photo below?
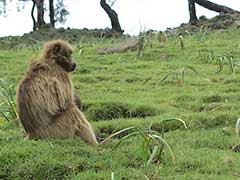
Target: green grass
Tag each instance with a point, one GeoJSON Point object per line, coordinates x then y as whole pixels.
{"type": "Point", "coordinates": [124, 90]}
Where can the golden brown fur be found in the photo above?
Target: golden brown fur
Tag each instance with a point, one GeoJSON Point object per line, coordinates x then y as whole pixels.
{"type": "Point", "coordinates": [45, 100]}
{"type": "Point", "coordinates": [78, 102]}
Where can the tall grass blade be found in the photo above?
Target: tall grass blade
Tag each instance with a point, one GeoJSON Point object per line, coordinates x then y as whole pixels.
{"type": "Point", "coordinates": [155, 150]}
{"type": "Point", "coordinates": [198, 73]}
{"type": "Point", "coordinates": [125, 138]}
{"type": "Point", "coordinates": [5, 117]}
{"type": "Point", "coordinates": [232, 67]}
{"type": "Point", "coordinates": [220, 64]}
{"type": "Point", "coordinates": [182, 75]}
{"type": "Point", "coordinates": [112, 176]}
{"type": "Point", "coordinates": [143, 134]}
{"type": "Point", "coordinates": [167, 75]}
{"type": "Point", "coordinates": [115, 134]}
{"type": "Point", "coordinates": [177, 119]}
{"type": "Point", "coordinates": [162, 141]}
{"type": "Point", "coordinates": [181, 42]}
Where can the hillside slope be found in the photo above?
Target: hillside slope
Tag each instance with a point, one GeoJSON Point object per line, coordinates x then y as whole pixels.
{"type": "Point", "coordinates": [198, 83]}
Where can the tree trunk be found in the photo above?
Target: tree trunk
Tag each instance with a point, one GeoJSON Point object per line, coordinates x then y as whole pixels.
{"type": "Point", "coordinates": [51, 13]}
{"type": "Point", "coordinates": [112, 15]}
{"type": "Point", "coordinates": [215, 7]}
{"type": "Point", "coordinates": [40, 13]}
{"type": "Point", "coordinates": [32, 15]}
{"type": "Point", "coordinates": [4, 7]}
{"type": "Point", "coordinates": [192, 12]}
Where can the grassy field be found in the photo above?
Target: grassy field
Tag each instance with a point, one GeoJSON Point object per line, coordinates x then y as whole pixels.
{"type": "Point", "coordinates": [198, 84]}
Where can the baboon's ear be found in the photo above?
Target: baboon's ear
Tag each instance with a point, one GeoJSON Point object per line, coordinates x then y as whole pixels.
{"type": "Point", "coordinates": [56, 48]}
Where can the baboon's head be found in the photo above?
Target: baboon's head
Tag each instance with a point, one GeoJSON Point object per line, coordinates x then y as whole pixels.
{"type": "Point", "coordinates": [60, 52]}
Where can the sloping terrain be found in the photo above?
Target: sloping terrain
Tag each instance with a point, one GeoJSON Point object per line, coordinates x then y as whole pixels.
{"type": "Point", "coordinates": [198, 83]}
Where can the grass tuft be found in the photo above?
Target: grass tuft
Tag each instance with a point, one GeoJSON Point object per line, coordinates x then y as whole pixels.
{"type": "Point", "coordinates": [116, 110]}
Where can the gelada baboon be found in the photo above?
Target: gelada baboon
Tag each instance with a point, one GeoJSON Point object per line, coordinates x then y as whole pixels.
{"type": "Point", "coordinates": [78, 102]}
{"type": "Point", "coordinates": [45, 99]}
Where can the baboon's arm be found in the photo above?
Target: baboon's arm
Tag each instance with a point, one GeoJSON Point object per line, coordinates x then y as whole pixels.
{"type": "Point", "coordinates": [50, 99]}
{"type": "Point", "coordinates": [62, 97]}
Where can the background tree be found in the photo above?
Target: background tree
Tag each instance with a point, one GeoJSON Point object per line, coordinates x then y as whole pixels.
{"type": "Point", "coordinates": [39, 21]}
{"type": "Point", "coordinates": [208, 5]}
{"type": "Point", "coordinates": [57, 13]}
{"type": "Point", "coordinates": [112, 15]}
{"type": "Point", "coordinates": [60, 12]}
{"type": "Point", "coordinates": [51, 13]}
{"type": "Point", "coordinates": [32, 15]}
{"type": "Point", "coordinates": [215, 7]}
{"type": "Point", "coordinates": [3, 5]}
{"type": "Point", "coordinates": [40, 14]}
{"type": "Point", "coordinates": [192, 12]}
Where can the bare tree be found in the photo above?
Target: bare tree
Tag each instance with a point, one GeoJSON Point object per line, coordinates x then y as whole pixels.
{"type": "Point", "coordinates": [40, 14]}
{"type": "Point", "coordinates": [192, 12]}
{"type": "Point", "coordinates": [60, 12]}
{"type": "Point", "coordinates": [32, 15]}
{"type": "Point", "coordinates": [51, 13]}
{"type": "Point", "coordinates": [208, 5]}
{"type": "Point", "coordinates": [3, 5]}
{"type": "Point", "coordinates": [57, 13]}
{"type": "Point", "coordinates": [112, 15]}
{"type": "Point", "coordinates": [215, 7]}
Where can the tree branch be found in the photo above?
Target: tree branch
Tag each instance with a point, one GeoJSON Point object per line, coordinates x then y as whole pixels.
{"type": "Point", "coordinates": [32, 15]}
{"type": "Point", "coordinates": [215, 7]}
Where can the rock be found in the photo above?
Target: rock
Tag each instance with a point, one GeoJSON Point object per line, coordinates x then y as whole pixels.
{"type": "Point", "coordinates": [130, 45]}
{"type": "Point", "coordinates": [203, 18]}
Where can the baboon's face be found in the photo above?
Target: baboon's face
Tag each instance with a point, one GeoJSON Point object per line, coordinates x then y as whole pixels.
{"type": "Point", "coordinates": [66, 61]}
{"type": "Point", "coordinates": [61, 53]}
{"type": "Point", "coordinates": [64, 58]}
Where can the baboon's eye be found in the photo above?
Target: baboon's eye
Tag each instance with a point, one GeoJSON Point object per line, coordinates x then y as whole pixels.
{"type": "Point", "coordinates": [56, 48]}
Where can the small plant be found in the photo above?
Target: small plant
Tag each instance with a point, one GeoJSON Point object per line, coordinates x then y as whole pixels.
{"type": "Point", "coordinates": [152, 142]}
{"type": "Point", "coordinates": [141, 44]}
{"type": "Point", "coordinates": [177, 37]}
{"type": "Point", "coordinates": [227, 60]}
{"type": "Point", "coordinates": [181, 42]}
{"type": "Point", "coordinates": [144, 39]}
{"type": "Point", "coordinates": [80, 49]}
{"type": "Point", "coordinates": [7, 105]}
{"type": "Point", "coordinates": [161, 37]}
{"type": "Point", "coordinates": [206, 55]}
{"type": "Point", "coordinates": [203, 35]}
{"type": "Point", "coordinates": [179, 74]}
